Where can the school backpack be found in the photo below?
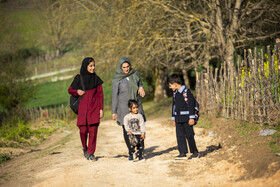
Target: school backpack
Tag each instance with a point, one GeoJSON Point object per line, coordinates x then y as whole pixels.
{"type": "Point", "coordinates": [196, 106]}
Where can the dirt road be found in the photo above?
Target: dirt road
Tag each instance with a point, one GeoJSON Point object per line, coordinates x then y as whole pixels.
{"type": "Point", "coordinates": [59, 161]}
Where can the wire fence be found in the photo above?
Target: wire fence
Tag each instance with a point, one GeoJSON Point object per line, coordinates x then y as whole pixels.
{"type": "Point", "coordinates": [251, 92]}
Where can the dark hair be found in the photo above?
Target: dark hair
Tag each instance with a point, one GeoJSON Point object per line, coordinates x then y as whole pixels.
{"type": "Point", "coordinates": [132, 102]}
{"type": "Point", "coordinates": [174, 78]}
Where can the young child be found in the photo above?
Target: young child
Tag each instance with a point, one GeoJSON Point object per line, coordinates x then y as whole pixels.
{"type": "Point", "coordinates": [183, 115]}
{"type": "Point", "coordinates": [134, 125]}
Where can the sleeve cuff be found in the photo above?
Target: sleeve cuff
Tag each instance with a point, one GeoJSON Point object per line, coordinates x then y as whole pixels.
{"type": "Point", "coordinates": [192, 116]}
{"type": "Point", "coordinates": [173, 118]}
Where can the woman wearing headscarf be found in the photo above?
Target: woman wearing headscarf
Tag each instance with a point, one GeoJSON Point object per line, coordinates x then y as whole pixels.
{"type": "Point", "coordinates": [127, 85]}
{"type": "Point", "coordinates": [90, 106]}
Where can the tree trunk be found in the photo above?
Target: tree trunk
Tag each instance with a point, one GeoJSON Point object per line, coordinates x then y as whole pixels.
{"type": "Point", "coordinates": [160, 78]}
{"type": "Point", "coordinates": [186, 78]}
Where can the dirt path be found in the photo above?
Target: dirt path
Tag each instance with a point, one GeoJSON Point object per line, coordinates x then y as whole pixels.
{"type": "Point", "coordinates": [60, 162]}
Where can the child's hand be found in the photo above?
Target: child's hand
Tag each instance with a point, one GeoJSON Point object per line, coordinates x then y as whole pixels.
{"type": "Point", "coordinates": [143, 136]}
{"type": "Point", "coordinates": [129, 132]}
{"type": "Point", "coordinates": [191, 122]}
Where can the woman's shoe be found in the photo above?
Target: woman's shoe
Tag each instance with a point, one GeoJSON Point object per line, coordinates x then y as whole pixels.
{"type": "Point", "coordinates": [85, 154]}
{"type": "Point", "coordinates": [91, 157]}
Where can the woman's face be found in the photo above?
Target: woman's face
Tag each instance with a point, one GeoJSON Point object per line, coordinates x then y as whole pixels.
{"type": "Point", "coordinates": [91, 67]}
{"type": "Point", "coordinates": [126, 67]}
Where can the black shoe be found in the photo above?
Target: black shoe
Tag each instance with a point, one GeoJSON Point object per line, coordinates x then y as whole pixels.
{"type": "Point", "coordinates": [194, 155]}
{"type": "Point", "coordinates": [141, 159]}
{"type": "Point", "coordinates": [91, 157]}
{"type": "Point", "coordinates": [181, 156]}
{"type": "Point", "coordinates": [85, 154]}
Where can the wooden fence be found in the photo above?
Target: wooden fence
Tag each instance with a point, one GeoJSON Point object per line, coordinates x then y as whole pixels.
{"type": "Point", "coordinates": [57, 112]}
{"type": "Point", "coordinates": [250, 92]}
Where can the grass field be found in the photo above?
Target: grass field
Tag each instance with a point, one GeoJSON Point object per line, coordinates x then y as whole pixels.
{"type": "Point", "coordinates": [56, 93]}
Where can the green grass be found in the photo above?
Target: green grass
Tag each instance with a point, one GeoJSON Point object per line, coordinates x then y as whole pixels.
{"type": "Point", "coordinates": [56, 93]}
{"type": "Point", "coordinates": [23, 133]}
{"type": "Point", "coordinates": [50, 94]}
{"type": "Point", "coordinates": [204, 122]}
{"type": "Point", "coordinates": [274, 143]}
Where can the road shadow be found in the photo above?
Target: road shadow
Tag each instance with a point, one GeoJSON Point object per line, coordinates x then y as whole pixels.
{"type": "Point", "coordinates": [149, 152]}
{"type": "Point", "coordinates": [209, 149]}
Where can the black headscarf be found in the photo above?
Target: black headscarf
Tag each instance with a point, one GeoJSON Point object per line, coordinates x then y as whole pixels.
{"type": "Point", "coordinates": [90, 80]}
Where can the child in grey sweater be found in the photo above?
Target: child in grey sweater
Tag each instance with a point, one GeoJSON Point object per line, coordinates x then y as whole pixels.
{"type": "Point", "coordinates": [135, 126]}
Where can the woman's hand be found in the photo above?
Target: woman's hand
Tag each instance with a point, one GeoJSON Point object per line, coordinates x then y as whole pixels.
{"type": "Point", "coordinates": [80, 92]}
{"type": "Point", "coordinates": [101, 114]}
{"type": "Point", "coordinates": [114, 116]}
{"type": "Point", "coordinates": [141, 91]}
{"type": "Point", "coordinates": [143, 136]}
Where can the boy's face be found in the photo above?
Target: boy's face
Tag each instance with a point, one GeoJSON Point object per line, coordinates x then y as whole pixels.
{"type": "Point", "coordinates": [134, 109]}
{"type": "Point", "coordinates": [173, 86]}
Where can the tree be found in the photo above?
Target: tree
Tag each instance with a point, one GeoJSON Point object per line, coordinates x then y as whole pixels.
{"type": "Point", "coordinates": [66, 24]}
{"type": "Point", "coordinates": [15, 87]}
{"type": "Point", "coordinates": [168, 35]}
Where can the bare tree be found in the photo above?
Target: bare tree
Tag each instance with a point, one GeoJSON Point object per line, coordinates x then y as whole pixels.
{"type": "Point", "coordinates": [163, 35]}
{"type": "Point", "coordinates": [67, 24]}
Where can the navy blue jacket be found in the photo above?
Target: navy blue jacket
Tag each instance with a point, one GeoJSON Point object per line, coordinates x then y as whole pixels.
{"type": "Point", "coordinates": [183, 105]}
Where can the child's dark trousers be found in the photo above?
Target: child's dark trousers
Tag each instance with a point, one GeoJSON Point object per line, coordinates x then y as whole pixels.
{"type": "Point", "coordinates": [131, 149]}
{"type": "Point", "coordinates": [183, 131]}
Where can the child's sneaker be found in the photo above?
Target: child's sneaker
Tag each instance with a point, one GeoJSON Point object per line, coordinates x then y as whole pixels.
{"type": "Point", "coordinates": [181, 156]}
{"type": "Point", "coordinates": [91, 157]}
{"type": "Point", "coordinates": [141, 159]}
{"type": "Point", "coordinates": [130, 158]}
{"type": "Point", "coordinates": [194, 155]}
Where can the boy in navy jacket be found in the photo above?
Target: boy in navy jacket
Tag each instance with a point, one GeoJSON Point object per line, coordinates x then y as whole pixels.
{"type": "Point", "coordinates": [183, 116]}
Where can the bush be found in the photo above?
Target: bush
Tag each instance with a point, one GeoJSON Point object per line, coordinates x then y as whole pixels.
{"type": "Point", "coordinates": [4, 157]}
{"type": "Point", "coordinates": [19, 133]}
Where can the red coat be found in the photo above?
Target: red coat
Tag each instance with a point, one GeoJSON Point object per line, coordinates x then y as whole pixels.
{"type": "Point", "coordinates": [90, 105]}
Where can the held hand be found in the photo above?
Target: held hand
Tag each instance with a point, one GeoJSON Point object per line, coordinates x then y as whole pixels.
{"type": "Point", "coordinates": [129, 132]}
{"type": "Point", "coordinates": [80, 92]}
{"type": "Point", "coordinates": [174, 124]}
{"type": "Point", "coordinates": [191, 122]}
{"type": "Point", "coordinates": [141, 92]}
{"type": "Point", "coordinates": [114, 116]}
{"type": "Point", "coordinates": [143, 136]}
{"type": "Point", "coordinates": [101, 114]}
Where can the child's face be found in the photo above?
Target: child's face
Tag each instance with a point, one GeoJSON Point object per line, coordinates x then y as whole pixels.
{"type": "Point", "coordinates": [134, 109]}
{"type": "Point", "coordinates": [173, 86]}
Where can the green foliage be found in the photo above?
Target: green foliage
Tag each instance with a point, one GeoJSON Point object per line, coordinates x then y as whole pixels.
{"type": "Point", "coordinates": [15, 87]}
{"type": "Point", "coordinates": [19, 133]}
{"type": "Point", "coordinates": [26, 134]}
{"type": "Point", "coordinates": [4, 157]}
